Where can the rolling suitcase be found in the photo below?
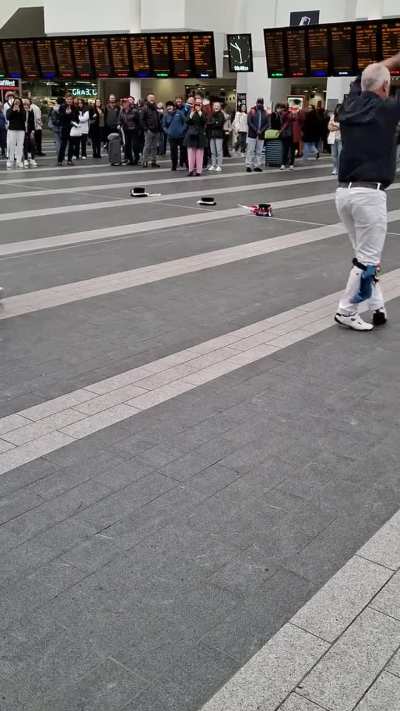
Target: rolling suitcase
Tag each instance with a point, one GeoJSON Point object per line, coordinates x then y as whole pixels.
{"type": "Point", "coordinates": [114, 149]}
{"type": "Point", "coordinates": [274, 152]}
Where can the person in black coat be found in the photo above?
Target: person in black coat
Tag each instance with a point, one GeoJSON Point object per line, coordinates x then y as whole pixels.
{"type": "Point", "coordinates": [96, 127]}
{"type": "Point", "coordinates": [215, 130]}
{"type": "Point", "coordinates": [69, 119]}
{"type": "Point", "coordinates": [196, 138]}
{"type": "Point", "coordinates": [151, 123]}
{"type": "Point", "coordinates": [311, 133]}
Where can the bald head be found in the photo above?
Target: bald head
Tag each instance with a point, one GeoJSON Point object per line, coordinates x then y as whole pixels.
{"type": "Point", "coordinates": [376, 78]}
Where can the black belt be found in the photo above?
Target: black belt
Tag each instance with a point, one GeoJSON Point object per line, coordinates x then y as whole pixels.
{"type": "Point", "coordinates": [363, 184]}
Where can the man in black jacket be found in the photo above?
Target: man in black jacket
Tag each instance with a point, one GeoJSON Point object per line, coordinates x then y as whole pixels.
{"type": "Point", "coordinates": [151, 123]}
{"type": "Point", "coordinates": [368, 124]}
{"type": "Point", "coordinates": [258, 122]}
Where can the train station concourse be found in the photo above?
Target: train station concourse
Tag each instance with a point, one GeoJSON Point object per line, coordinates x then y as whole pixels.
{"type": "Point", "coordinates": [199, 341]}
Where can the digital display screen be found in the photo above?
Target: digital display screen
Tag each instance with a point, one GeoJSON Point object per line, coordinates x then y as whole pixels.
{"type": "Point", "coordinates": [240, 53]}
{"type": "Point", "coordinates": [318, 51]}
{"type": "Point", "coordinates": [160, 56]}
{"type": "Point", "coordinates": [30, 67]}
{"type": "Point", "coordinates": [341, 37]}
{"type": "Point", "coordinates": [274, 48]}
{"type": "Point", "coordinates": [390, 40]}
{"type": "Point", "coordinates": [48, 69]}
{"type": "Point", "coordinates": [296, 53]}
{"type": "Point", "coordinates": [2, 65]}
{"type": "Point", "coordinates": [140, 55]}
{"type": "Point", "coordinates": [80, 48]}
{"type": "Point", "coordinates": [181, 55]}
{"type": "Point", "coordinates": [11, 56]}
{"type": "Point", "coordinates": [120, 56]}
{"type": "Point", "coordinates": [366, 44]}
{"type": "Point", "coordinates": [204, 54]}
{"type": "Point", "coordinates": [101, 57]}
{"type": "Point", "coordinates": [63, 53]}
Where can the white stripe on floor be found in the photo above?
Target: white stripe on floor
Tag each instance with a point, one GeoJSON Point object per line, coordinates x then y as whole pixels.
{"type": "Point", "coordinates": [98, 187]}
{"type": "Point", "coordinates": [110, 283]}
{"type": "Point", "coordinates": [131, 229]}
{"type": "Point", "coordinates": [51, 425]}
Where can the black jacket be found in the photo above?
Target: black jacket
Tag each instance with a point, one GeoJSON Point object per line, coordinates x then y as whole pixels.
{"type": "Point", "coordinates": [130, 120]}
{"type": "Point", "coordinates": [196, 136]}
{"type": "Point", "coordinates": [151, 119]}
{"type": "Point", "coordinates": [215, 125]}
{"type": "Point", "coordinates": [111, 118]}
{"type": "Point", "coordinates": [258, 122]}
{"type": "Point", "coordinates": [66, 118]}
{"type": "Point", "coordinates": [16, 120]}
{"type": "Point", "coordinates": [311, 128]}
{"type": "Point", "coordinates": [368, 127]}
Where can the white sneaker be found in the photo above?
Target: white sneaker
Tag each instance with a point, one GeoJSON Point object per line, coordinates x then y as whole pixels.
{"type": "Point", "coordinates": [334, 172]}
{"type": "Point", "coordinates": [353, 321]}
{"type": "Point", "coordinates": [21, 164]}
{"type": "Point", "coordinates": [9, 164]}
{"type": "Point", "coordinates": [83, 157]}
{"type": "Point", "coordinates": [211, 168]}
{"type": "Point", "coordinates": [1, 292]}
{"type": "Point", "coordinates": [291, 167]}
{"type": "Point", "coordinates": [33, 163]}
{"type": "Point", "coordinates": [218, 169]}
{"type": "Point", "coordinates": [26, 164]}
{"type": "Point", "coordinates": [283, 167]}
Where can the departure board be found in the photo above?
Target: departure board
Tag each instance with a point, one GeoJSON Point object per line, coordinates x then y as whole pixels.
{"type": "Point", "coordinates": [390, 40]}
{"type": "Point", "coordinates": [2, 65]}
{"type": "Point", "coordinates": [274, 48]}
{"type": "Point", "coordinates": [101, 57]}
{"type": "Point", "coordinates": [318, 50]}
{"type": "Point", "coordinates": [120, 56]}
{"type": "Point", "coordinates": [341, 37]}
{"type": "Point", "coordinates": [204, 54]}
{"type": "Point", "coordinates": [11, 57]}
{"type": "Point", "coordinates": [366, 44]}
{"type": "Point", "coordinates": [181, 55]}
{"type": "Point", "coordinates": [159, 51]}
{"type": "Point", "coordinates": [140, 55]}
{"type": "Point", "coordinates": [48, 69]}
{"type": "Point", "coordinates": [80, 48]}
{"type": "Point", "coordinates": [63, 54]}
{"type": "Point", "coordinates": [296, 52]}
{"type": "Point", "coordinates": [30, 67]}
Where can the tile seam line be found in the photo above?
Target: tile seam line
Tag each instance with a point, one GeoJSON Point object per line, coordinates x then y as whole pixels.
{"type": "Point", "coordinates": [377, 676]}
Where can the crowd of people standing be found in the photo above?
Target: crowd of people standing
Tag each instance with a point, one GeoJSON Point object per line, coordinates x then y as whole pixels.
{"type": "Point", "coordinates": [199, 133]}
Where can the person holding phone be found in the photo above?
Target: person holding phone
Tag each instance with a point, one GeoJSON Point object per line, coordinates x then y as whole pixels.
{"type": "Point", "coordinates": [196, 138]}
{"type": "Point", "coordinates": [16, 117]}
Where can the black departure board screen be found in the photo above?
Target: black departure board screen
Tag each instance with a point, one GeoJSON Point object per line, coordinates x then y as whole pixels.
{"type": "Point", "coordinates": [80, 49]}
{"type": "Point", "coordinates": [48, 69]}
{"type": "Point", "coordinates": [140, 55]}
{"type": "Point", "coordinates": [366, 44]}
{"type": "Point", "coordinates": [390, 40]}
{"type": "Point", "coordinates": [63, 54]}
{"type": "Point", "coordinates": [318, 50]}
{"type": "Point", "coordinates": [240, 53]}
{"type": "Point", "coordinates": [160, 55]}
{"type": "Point", "coordinates": [120, 56]}
{"type": "Point", "coordinates": [2, 65]}
{"type": "Point", "coordinates": [296, 53]}
{"type": "Point", "coordinates": [181, 55]}
{"type": "Point", "coordinates": [204, 55]}
{"type": "Point", "coordinates": [101, 57]}
{"type": "Point", "coordinates": [30, 67]}
{"type": "Point", "coordinates": [11, 57]}
{"type": "Point", "coordinates": [342, 45]}
{"type": "Point", "coordinates": [274, 48]}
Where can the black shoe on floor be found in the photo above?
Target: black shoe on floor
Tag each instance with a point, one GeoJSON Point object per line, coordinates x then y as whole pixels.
{"type": "Point", "coordinates": [379, 317]}
{"type": "Point", "coordinates": [258, 170]}
{"type": "Point", "coordinates": [155, 165]}
{"type": "Point", "coordinates": [248, 170]}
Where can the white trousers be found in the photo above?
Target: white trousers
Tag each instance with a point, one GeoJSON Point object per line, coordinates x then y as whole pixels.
{"type": "Point", "coordinates": [254, 152]}
{"type": "Point", "coordinates": [15, 145]}
{"type": "Point", "coordinates": [363, 212]}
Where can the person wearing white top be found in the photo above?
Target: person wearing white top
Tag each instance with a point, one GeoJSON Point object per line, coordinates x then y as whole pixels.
{"type": "Point", "coordinates": [8, 105]}
{"type": "Point", "coordinates": [84, 117]}
{"type": "Point", "coordinates": [240, 128]}
{"type": "Point", "coordinates": [335, 139]}
{"type": "Point", "coordinates": [37, 113]}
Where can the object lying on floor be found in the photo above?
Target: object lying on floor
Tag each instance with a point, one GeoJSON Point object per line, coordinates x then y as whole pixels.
{"type": "Point", "coordinates": [207, 200]}
{"type": "Point", "coordinates": [263, 209]}
{"type": "Point", "coordinates": [140, 192]}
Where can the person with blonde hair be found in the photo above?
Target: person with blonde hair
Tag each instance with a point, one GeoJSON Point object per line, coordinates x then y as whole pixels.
{"type": "Point", "coordinates": [368, 124]}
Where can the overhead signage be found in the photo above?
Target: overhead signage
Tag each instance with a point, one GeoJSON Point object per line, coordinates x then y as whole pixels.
{"type": "Point", "coordinates": [240, 53]}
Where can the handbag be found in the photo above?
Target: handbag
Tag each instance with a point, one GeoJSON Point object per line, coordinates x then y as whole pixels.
{"type": "Point", "coordinates": [271, 134]}
{"type": "Point", "coordinates": [75, 132]}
